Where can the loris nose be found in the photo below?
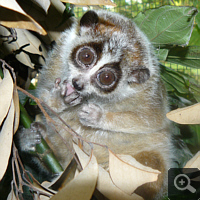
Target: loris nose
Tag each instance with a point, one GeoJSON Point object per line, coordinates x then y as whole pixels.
{"type": "Point", "coordinates": [78, 85]}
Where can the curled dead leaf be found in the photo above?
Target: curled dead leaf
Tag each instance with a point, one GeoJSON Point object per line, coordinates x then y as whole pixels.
{"type": "Point", "coordinates": [44, 4]}
{"type": "Point", "coordinates": [104, 182]}
{"type": "Point", "coordinates": [25, 46]}
{"type": "Point", "coordinates": [106, 186]}
{"type": "Point", "coordinates": [194, 162]}
{"type": "Point", "coordinates": [12, 16]}
{"type": "Point", "coordinates": [128, 174]}
{"type": "Point", "coordinates": [187, 115]}
{"type": "Point", "coordinates": [6, 90]}
{"type": "Point", "coordinates": [6, 137]}
{"type": "Point", "coordinates": [83, 185]}
{"type": "Point", "coordinates": [42, 197]}
{"type": "Point", "coordinates": [84, 158]}
{"type": "Point", "coordinates": [30, 42]}
{"type": "Point", "coordinates": [91, 2]}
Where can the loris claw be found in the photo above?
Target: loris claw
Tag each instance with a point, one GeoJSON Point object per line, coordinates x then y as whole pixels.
{"type": "Point", "coordinates": [90, 115]}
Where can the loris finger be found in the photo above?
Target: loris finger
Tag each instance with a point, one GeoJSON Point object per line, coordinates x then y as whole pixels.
{"type": "Point", "coordinates": [73, 99]}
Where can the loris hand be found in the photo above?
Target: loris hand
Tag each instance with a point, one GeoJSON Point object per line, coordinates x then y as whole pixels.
{"type": "Point", "coordinates": [67, 91]}
{"type": "Point", "coordinates": [71, 96]}
{"type": "Point", "coordinates": [29, 138]}
{"type": "Point", "coordinates": [90, 115]}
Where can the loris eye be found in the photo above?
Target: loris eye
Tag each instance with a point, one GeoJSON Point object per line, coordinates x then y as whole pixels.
{"type": "Point", "coordinates": [106, 78]}
{"type": "Point", "coordinates": [86, 56]}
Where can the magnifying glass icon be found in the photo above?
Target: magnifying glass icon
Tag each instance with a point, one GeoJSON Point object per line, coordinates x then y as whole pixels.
{"type": "Point", "coordinates": [183, 183]}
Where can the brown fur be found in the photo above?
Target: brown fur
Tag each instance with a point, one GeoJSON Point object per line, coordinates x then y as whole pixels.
{"type": "Point", "coordinates": [155, 161]}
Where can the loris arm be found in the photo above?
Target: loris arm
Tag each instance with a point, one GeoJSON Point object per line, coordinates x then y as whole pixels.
{"type": "Point", "coordinates": [128, 121]}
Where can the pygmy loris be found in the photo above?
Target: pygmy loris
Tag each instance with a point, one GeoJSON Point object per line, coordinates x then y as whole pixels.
{"type": "Point", "coordinates": [103, 79]}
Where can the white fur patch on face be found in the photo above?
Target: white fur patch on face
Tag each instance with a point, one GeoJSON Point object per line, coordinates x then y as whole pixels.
{"type": "Point", "coordinates": [103, 61]}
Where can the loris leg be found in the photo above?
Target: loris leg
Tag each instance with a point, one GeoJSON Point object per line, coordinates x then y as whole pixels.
{"type": "Point", "coordinates": [154, 160]}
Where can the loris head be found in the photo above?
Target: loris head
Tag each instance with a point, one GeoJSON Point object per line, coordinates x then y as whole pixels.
{"type": "Point", "coordinates": [107, 55]}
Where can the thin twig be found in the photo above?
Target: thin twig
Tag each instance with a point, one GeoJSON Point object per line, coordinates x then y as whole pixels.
{"type": "Point", "coordinates": [25, 180]}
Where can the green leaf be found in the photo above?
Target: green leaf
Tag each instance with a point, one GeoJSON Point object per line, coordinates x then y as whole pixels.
{"type": "Point", "coordinates": [174, 79]}
{"type": "Point", "coordinates": [192, 137]}
{"type": "Point", "coordinates": [197, 20]}
{"type": "Point", "coordinates": [195, 37]}
{"type": "Point", "coordinates": [186, 56]}
{"type": "Point", "coordinates": [167, 24]}
{"type": "Point", "coordinates": [25, 119]}
{"type": "Point", "coordinates": [182, 85]}
{"type": "Point", "coordinates": [161, 54]}
{"type": "Point", "coordinates": [169, 87]}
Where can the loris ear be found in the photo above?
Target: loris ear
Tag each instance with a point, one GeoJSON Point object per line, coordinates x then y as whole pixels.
{"type": "Point", "coordinates": [90, 18]}
{"type": "Point", "coordinates": [139, 75]}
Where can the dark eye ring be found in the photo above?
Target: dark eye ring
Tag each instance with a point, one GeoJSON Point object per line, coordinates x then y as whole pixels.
{"type": "Point", "coordinates": [106, 78]}
{"type": "Point", "coordinates": [86, 56]}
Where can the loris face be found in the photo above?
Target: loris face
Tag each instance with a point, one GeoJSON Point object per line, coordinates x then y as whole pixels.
{"type": "Point", "coordinates": [93, 69]}
{"type": "Point", "coordinates": [107, 56]}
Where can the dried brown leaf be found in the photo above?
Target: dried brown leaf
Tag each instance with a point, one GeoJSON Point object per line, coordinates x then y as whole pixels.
{"type": "Point", "coordinates": [83, 185]}
{"type": "Point", "coordinates": [106, 186]}
{"type": "Point", "coordinates": [12, 16]}
{"type": "Point", "coordinates": [84, 158]}
{"type": "Point", "coordinates": [91, 2]}
{"type": "Point", "coordinates": [194, 162]}
{"type": "Point", "coordinates": [187, 115]}
{"type": "Point", "coordinates": [40, 188]}
{"type": "Point", "coordinates": [30, 44]}
{"type": "Point", "coordinates": [44, 4]}
{"type": "Point", "coordinates": [104, 182]}
{"type": "Point", "coordinates": [26, 37]}
{"type": "Point", "coordinates": [17, 46]}
{"type": "Point", "coordinates": [7, 117]}
{"type": "Point", "coordinates": [54, 21]}
{"type": "Point", "coordinates": [25, 59]}
{"type": "Point", "coordinates": [42, 197]}
{"type": "Point", "coordinates": [6, 137]}
{"type": "Point", "coordinates": [128, 174]}
{"type": "Point", "coordinates": [26, 43]}
{"type": "Point", "coordinates": [6, 91]}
